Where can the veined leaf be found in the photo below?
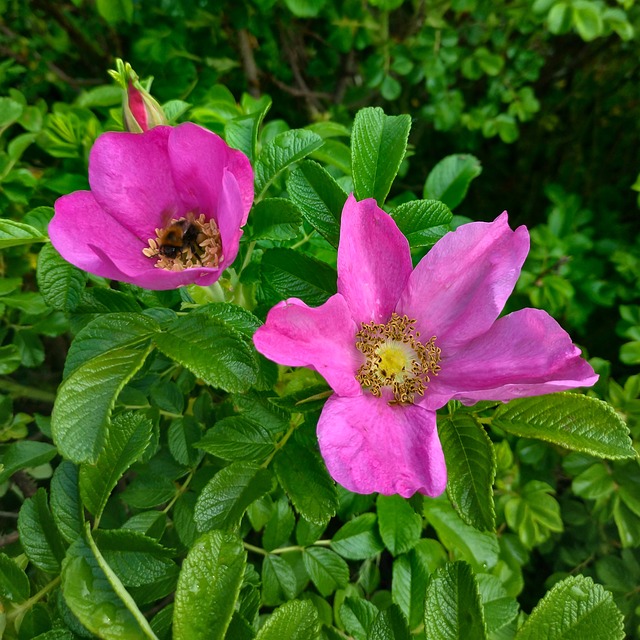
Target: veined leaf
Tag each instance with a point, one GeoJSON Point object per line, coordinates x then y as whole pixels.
{"type": "Point", "coordinates": [66, 506]}
{"type": "Point", "coordinates": [449, 180]}
{"type": "Point", "coordinates": [296, 620]}
{"type": "Point", "coordinates": [423, 222]}
{"type": "Point", "coordinates": [275, 219]}
{"type": "Point", "coordinates": [358, 539]}
{"type": "Point", "coordinates": [60, 283]}
{"type": "Point", "coordinates": [14, 583]}
{"type": "Point", "coordinates": [13, 234]}
{"type": "Point", "coordinates": [326, 568]}
{"type": "Point", "coordinates": [400, 526]}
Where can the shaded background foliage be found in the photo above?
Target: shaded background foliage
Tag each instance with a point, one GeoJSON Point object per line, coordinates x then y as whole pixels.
{"type": "Point", "coordinates": [545, 94]}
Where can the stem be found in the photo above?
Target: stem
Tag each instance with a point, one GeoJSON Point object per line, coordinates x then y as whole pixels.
{"type": "Point", "coordinates": [304, 240]}
{"type": "Point", "coordinates": [179, 492]}
{"type": "Point", "coordinates": [27, 604]}
{"type": "Point", "coordinates": [279, 445]}
{"type": "Point", "coordinates": [16, 390]}
{"type": "Point", "coordinates": [295, 547]}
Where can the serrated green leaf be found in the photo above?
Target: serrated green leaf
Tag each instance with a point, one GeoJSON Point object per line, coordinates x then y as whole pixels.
{"type": "Point", "coordinates": [410, 577]}
{"type": "Point", "coordinates": [390, 625]}
{"type": "Point", "coordinates": [85, 399]}
{"type": "Point", "coordinates": [237, 438]}
{"type": "Point", "coordinates": [285, 149]}
{"type": "Point", "coordinates": [452, 608]}
{"type": "Point", "coordinates": [210, 349]}
{"type": "Point", "coordinates": [400, 526]}
{"type": "Point", "coordinates": [39, 535]}
{"type": "Point", "coordinates": [60, 283]}
{"type": "Point", "coordinates": [24, 454]}
{"type": "Point", "coordinates": [14, 234]}
{"type": "Point", "coordinates": [305, 479]}
{"type": "Point", "coordinates": [449, 180]}
{"type": "Point", "coordinates": [327, 569]}
{"type": "Point", "coordinates": [422, 222]}
{"type": "Point", "coordinates": [358, 539]}
{"type": "Point", "coordinates": [480, 549]}
{"type": "Point", "coordinates": [471, 469]}
{"type": "Point", "coordinates": [66, 506]}
{"type": "Point", "coordinates": [225, 498]}
{"type": "Point", "coordinates": [499, 608]}
{"type": "Point", "coordinates": [279, 526]}
{"type": "Point", "coordinates": [241, 132]}
{"type": "Point", "coordinates": [184, 434]}
{"type": "Point", "coordinates": [208, 587]}
{"type": "Point", "coordinates": [14, 583]}
{"type": "Point", "coordinates": [275, 219]}
{"type": "Point", "coordinates": [358, 615]}
{"type": "Point", "coordinates": [296, 620]}
{"type": "Point", "coordinates": [124, 443]}
{"type": "Point", "coordinates": [319, 197]}
{"type": "Point", "coordinates": [575, 608]}
{"type": "Point", "coordinates": [97, 597]}
{"type": "Point", "coordinates": [278, 580]}
{"type": "Point", "coordinates": [570, 420]}
{"type": "Point", "coordinates": [378, 145]}
{"type": "Point", "coordinates": [295, 275]}
{"type": "Point", "coordinates": [148, 490]}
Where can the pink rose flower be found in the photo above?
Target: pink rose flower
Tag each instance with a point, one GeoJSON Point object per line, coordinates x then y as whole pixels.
{"type": "Point", "coordinates": [396, 343]}
{"type": "Point", "coordinates": [164, 210]}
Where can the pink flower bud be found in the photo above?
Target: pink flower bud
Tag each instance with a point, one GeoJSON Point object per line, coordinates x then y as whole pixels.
{"type": "Point", "coordinates": [141, 111]}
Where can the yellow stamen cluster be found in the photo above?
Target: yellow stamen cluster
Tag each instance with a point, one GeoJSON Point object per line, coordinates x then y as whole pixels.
{"type": "Point", "coordinates": [202, 246]}
{"type": "Point", "coordinates": [396, 358]}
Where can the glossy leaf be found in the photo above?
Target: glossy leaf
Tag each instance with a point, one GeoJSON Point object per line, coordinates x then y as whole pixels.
{"type": "Point", "coordinates": [449, 180]}
{"type": "Point", "coordinates": [296, 620]}
{"type": "Point", "coordinates": [400, 526]}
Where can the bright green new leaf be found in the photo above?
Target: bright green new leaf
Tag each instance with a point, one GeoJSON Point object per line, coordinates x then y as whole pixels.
{"type": "Point", "coordinates": [285, 149]}
{"type": "Point", "coordinates": [24, 454]}
{"type": "Point", "coordinates": [60, 283]}
{"type": "Point", "coordinates": [574, 609]}
{"type": "Point", "coordinates": [296, 620]}
{"type": "Point", "coordinates": [410, 578]}
{"type": "Point", "coordinates": [449, 180]}
{"type": "Point", "coordinates": [125, 441]}
{"type": "Point", "coordinates": [378, 145]}
{"type": "Point", "coordinates": [423, 222]}
{"type": "Point", "coordinates": [453, 610]}
{"type": "Point", "coordinates": [208, 587]}
{"type": "Point", "coordinates": [400, 526]}
{"type": "Point", "coordinates": [570, 420]}
{"type": "Point", "coordinates": [327, 569]}
{"type": "Point", "coordinates": [114, 11]}
{"type": "Point", "coordinates": [227, 495]}
{"type": "Point", "coordinates": [14, 234]}
{"type": "Point", "coordinates": [471, 469]}
{"type": "Point", "coordinates": [319, 197]}
{"type": "Point", "coordinates": [587, 19]}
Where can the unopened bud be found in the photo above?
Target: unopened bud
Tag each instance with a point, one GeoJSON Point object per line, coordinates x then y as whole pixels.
{"type": "Point", "coordinates": [140, 110]}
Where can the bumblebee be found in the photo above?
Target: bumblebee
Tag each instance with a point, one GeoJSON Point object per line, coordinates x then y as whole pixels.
{"type": "Point", "coordinates": [176, 237]}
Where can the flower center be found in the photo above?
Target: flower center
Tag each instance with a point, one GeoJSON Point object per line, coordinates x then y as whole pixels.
{"type": "Point", "coordinates": [186, 243]}
{"type": "Point", "coordinates": [396, 358]}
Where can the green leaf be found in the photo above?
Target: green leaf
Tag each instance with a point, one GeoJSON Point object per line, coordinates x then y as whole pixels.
{"type": "Point", "coordinates": [80, 417]}
{"type": "Point", "coordinates": [499, 608]}
{"type": "Point", "coordinates": [358, 615]}
{"type": "Point", "coordinates": [124, 443]}
{"type": "Point", "coordinates": [227, 495]}
{"type": "Point", "coordinates": [319, 197]}
{"type": "Point", "coordinates": [410, 578]}
{"type": "Point", "coordinates": [295, 275]}
{"type": "Point", "coordinates": [327, 569]}
{"type": "Point", "coordinates": [305, 8]}
{"type": "Point", "coordinates": [296, 620]}
{"type": "Point", "coordinates": [570, 420]}
{"type": "Point", "coordinates": [449, 180]}
{"type": "Point", "coordinates": [423, 222]}
{"type": "Point", "coordinates": [210, 349]}
{"type": "Point", "coordinates": [14, 583]}
{"type": "Point", "coordinates": [10, 111]}
{"type": "Point", "coordinates": [390, 625]}
{"type": "Point", "coordinates": [24, 454]}
{"type": "Point", "coordinates": [560, 18]}
{"type": "Point", "coordinates": [14, 234]}
{"type": "Point", "coordinates": [10, 359]}
{"type": "Point", "coordinates": [280, 526]}
{"type": "Point", "coordinates": [400, 526]}
{"type": "Point", "coordinates": [184, 433]}
{"type": "Point", "coordinates": [275, 219]}
{"type": "Point", "coordinates": [60, 283]}
{"type": "Point", "coordinates": [304, 477]}
{"type": "Point", "coordinates": [97, 597]}
{"type": "Point", "coordinates": [471, 469]}
{"type": "Point", "coordinates": [575, 608]}
{"type": "Point", "coordinates": [480, 549]}
{"type": "Point", "coordinates": [594, 482]}
{"type": "Point", "coordinates": [378, 145]}
{"type": "Point", "coordinates": [66, 506]}
{"type": "Point", "coordinates": [241, 132]}
{"type": "Point", "coordinates": [208, 587]}
{"type": "Point", "coordinates": [39, 535]}
{"type": "Point", "coordinates": [452, 608]}
{"type": "Point", "coordinates": [358, 539]}
{"type": "Point", "coordinates": [278, 580]}
{"type": "Point", "coordinates": [237, 438]}
{"type": "Point", "coordinates": [587, 19]}
{"type": "Point", "coordinates": [534, 514]}
{"type": "Point", "coordinates": [285, 149]}
{"type": "Point", "coordinates": [114, 11]}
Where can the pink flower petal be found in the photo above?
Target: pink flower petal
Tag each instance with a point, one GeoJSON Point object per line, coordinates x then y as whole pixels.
{"type": "Point", "coordinates": [130, 177]}
{"type": "Point", "coordinates": [230, 214]}
{"type": "Point", "coordinates": [369, 445]}
{"type": "Point", "coordinates": [199, 158]}
{"type": "Point", "coordinates": [526, 353]}
{"type": "Point", "coordinates": [374, 261]}
{"type": "Point", "coordinates": [460, 287]}
{"type": "Point", "coordinates": [322, 339]}
{"type": "Point", "coordinates": [79, 222]}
